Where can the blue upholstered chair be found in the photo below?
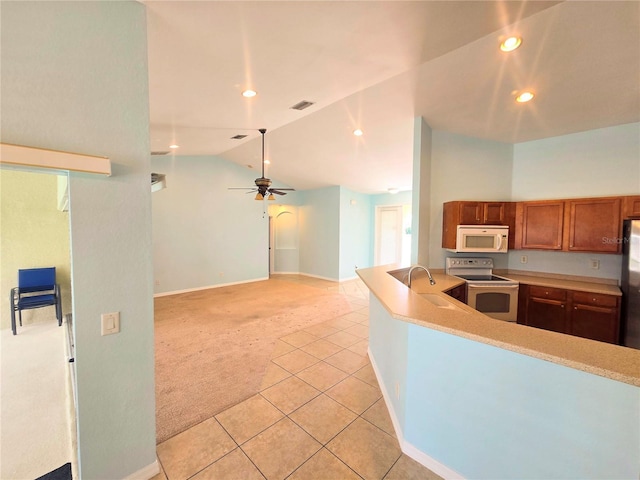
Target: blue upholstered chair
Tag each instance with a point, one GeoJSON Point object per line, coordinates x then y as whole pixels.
{"type": "Point", "coordinates": [36, 288]}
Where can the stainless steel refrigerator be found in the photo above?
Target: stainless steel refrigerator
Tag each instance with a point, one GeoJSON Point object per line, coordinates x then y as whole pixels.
{"type": "Point", "coordinates": [630, 284]}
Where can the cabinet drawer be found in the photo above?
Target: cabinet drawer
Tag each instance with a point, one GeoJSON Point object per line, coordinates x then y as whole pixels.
{"type": "Point", "coordinates": [547, 292]}
{"type": "Point", "coordinates": [595, 299]}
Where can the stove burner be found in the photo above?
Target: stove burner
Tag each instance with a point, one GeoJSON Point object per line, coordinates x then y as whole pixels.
{"type": "Point", "coordinates": [484, 278]}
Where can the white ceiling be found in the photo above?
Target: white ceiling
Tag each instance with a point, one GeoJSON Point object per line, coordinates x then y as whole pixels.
{"type": "Point", "coordinates": [377, 66]}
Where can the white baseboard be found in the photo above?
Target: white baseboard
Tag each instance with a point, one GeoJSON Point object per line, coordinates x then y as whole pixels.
{"type": "Point", "coordinates": [406, 447]}
{"type": "Point", "coordinates": [145, 473]}
{"type": "Point", "coordinates": [430, 462]}
{"type": "Point", "coordinates": [218, 285]}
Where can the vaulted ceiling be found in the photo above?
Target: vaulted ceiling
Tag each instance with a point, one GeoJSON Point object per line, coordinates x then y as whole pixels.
{"type": "Point", "coordinates": [376, 66]}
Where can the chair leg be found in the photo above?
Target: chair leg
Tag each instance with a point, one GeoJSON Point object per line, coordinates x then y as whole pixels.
{"type": "Point", "coordinates": [59, 312]}
{"type": "Point", "coordinates": [13, 321]}
{"type": "Point", "coordinates": [20, 316]}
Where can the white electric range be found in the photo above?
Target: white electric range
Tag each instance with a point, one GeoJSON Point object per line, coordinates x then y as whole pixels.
{"type": "Point", "coordinates": [490, 294]}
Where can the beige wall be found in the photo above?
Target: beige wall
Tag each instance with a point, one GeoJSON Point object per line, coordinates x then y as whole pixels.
{"type": "Point", "coordinates": [33, 233]}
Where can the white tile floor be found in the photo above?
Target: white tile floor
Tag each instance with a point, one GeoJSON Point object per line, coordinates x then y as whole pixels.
{"type": "Point", "coordinates": [319, 415]}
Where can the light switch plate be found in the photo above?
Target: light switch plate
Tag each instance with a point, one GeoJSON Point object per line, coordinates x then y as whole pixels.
{"type": "Point", "coordinates": [110, 323]}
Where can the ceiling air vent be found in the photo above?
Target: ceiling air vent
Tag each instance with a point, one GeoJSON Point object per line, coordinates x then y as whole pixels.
{"type": "Point", "coordinates": [238, 137]}
{"type": "Point", "coordinates": [160, 152]}
{"type": "Point", "coordinates": [302, 105]}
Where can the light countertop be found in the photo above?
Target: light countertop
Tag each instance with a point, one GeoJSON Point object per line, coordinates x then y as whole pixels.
{"type": "Point", "coordinates": [566, 283]}
{"type": "Point", "coordinates": [598, 358]}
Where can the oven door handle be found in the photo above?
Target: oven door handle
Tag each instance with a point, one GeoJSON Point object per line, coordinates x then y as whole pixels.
{"type": "Point", "coordinates": [513, 287]}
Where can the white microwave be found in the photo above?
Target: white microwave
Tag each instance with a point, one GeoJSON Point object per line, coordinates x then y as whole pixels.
{"type": "Point", "coordinates": [482, 239]}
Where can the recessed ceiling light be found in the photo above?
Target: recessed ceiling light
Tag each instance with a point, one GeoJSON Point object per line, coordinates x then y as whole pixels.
{"type": "Point", "coordinates": [510, 44]}
{"type": "Point", "coordinates": [393, 191]}
{"type": "Point", "coordinates": [249, 93]}
{"type": "Point", "coordinates": [357, 132]}
{"type": "Point", "coordinates": [524, 97]}
{"type": "Point", "coordinates": [267, 162]}
{"type": "Point", "coordinates": [174, 146]}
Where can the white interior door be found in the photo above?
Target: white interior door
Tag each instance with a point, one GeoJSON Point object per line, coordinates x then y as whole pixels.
{"type": "Point", "coordinates": [388, 241]}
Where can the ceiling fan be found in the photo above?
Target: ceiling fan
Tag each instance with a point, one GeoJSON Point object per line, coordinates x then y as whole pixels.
{"type": "Point", "coordinates": [263, 184]}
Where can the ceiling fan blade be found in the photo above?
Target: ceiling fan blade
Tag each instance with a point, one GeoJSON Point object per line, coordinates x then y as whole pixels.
{"type": "Point", "coordinates": [287, 189]}
{"type": "Point", "coordinates": [242, 188]}
{"type": "Point", "coordinates": [277, 192]}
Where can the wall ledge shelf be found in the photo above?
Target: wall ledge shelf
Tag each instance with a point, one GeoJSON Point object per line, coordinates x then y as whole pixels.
{"type": "Point", "coordinates": [21, 156]}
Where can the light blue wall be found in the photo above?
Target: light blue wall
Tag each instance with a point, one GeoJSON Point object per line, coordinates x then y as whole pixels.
{"type": "Point", "coordinates": [388, 342]}
{"type": "Point", "coordinates": [356, 226]}
{"type": "Point", "coordinates": [588, 164]}
{"type": "Point", "coordinates": [319, 223]}
{"type": "Point", "coordinates": [595, 163]}
{"type": "Point", "coordinates": [74, 78]}
{"type": "Point", "coordinates": [203, 233]}
{"type": "Point", "coordinates": [485, 412]}
{"type": "Point", "coordinates": [421, 187]}
{"type": "Point", "coordinates": [465, 168]}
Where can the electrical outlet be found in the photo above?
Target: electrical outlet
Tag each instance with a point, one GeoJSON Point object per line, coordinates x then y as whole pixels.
{"type": "Point", "coordinates": [595, 264]}
{"type": "Point", "coordinates": [157, 283]}
{"type": "Point", "coordinates": [524, 259]}
{"type": "Point", "coordinates": [397, 390]}
{"type": "Point", "coordinates": [221, 274]}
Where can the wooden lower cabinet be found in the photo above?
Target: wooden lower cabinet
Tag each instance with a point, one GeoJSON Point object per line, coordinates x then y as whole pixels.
{"type": "Point", "coordinates": [459, 293]}
{"type": "Point", "coordinates": [546, 308]}
{"type": "Point", "coordinates": [595, 316]}
{"type": "Point", "coordinates": [589, 315]}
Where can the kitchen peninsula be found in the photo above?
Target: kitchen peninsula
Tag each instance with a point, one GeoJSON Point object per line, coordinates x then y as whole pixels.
{"type": "Point", "coordinates": [475, 397]}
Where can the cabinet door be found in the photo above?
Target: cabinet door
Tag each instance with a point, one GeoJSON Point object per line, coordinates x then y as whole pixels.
{"type": "Point", "coordinates": [541, 225]}
{"type": "Point", "coordinates": [594, 225]}
{"type": "Point", "coordinates": [595, 316]}
{"type": "Point", "coordinates": [631, 207]}
{"type": "Point", "coordinates": [471, 213]}
{"type": "Point", "coordinates": [547, 308]}
{"type": "Point", "coordinates": [494, 213]}
{"type": "Point", "coordinates": [596, 323]}
{"type": "Point", "coordinates": [459, 293]}
{"type": "Point", "coordinates": [547, 314]}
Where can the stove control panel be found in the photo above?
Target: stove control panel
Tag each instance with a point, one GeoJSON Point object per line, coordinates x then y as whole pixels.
{"type": "Point", "coordinates": [453, 262]}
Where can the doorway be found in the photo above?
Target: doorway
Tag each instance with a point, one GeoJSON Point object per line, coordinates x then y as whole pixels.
{"type": "Point", "coordinates": [283, 239]}
{"type": "Point", "coordinates": [38, 421]}
{"type": "Point", "coordinates": [392, 234]}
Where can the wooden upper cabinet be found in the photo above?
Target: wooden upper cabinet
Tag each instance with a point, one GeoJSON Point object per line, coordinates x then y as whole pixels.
{"type": "Point", "coordinates": [470, 213]}
{"type": "Point", "coordinates": [494, 213]}
{"type": "Point", "coordinates": [475, 213]}
{"type": "Point", "coordinates": [593, 225]}
{"type": "Point", "coordinates": [631, 206]}
{"type": "Point", "coordinates": [539, 225]}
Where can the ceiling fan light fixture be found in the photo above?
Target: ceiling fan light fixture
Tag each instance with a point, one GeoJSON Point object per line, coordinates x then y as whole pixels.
{"type": "Point", "coordinates": [510, 44]}
{"type": "Point", "coordinates": [271, 197]}
{"type": "Point", "coordinates": [259, 196]}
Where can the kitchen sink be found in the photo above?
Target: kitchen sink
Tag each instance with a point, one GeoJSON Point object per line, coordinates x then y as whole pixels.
{"type": "Point", "coordinates": [440, 302]}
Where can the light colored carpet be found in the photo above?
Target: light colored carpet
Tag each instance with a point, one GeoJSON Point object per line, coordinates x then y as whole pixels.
{"type": "Point", "coordinates": [213, 346]}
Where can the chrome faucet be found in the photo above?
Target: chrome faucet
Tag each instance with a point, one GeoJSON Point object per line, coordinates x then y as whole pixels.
{"type": "Point", "coordinates": [431, 280]}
